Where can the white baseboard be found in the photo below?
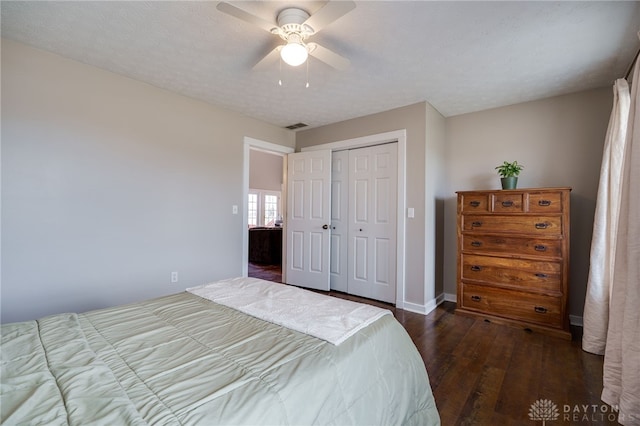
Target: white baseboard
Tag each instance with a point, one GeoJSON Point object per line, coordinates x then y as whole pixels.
{"type": "Point", "coordinates": [430, 305]}
{"type": "Point", "coordinates": [576, 320]}
{"type": "Point", "coordinates": [416, 308]}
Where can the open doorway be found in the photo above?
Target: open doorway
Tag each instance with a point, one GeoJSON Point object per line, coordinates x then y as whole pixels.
{"type": "Point", "coordinates": [266, 161]}
{"type": "Point", "coordinates": [264, 215]}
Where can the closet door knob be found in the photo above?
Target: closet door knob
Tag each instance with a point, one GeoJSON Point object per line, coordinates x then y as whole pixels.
{"type": "Point", "coordinates": [325, 226]}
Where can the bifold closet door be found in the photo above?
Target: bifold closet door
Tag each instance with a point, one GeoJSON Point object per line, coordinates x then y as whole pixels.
{"type": "Point", "coordinates": [308, 219]}
{"type": "Point", "coordinates": [373, 186]}
{"type": "Point", "coordinates": [339, 220]}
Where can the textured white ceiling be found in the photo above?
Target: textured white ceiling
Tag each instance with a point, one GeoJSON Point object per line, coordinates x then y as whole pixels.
{"type": "Point", "coordinates": [458, 56]}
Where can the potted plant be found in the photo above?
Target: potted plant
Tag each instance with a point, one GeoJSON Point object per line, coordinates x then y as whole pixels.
{"type": "Point", "coordinates": [509, 174]}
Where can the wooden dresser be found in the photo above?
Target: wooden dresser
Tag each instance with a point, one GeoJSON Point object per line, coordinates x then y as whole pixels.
{"type": "Point", "coordinates": [513, 257]}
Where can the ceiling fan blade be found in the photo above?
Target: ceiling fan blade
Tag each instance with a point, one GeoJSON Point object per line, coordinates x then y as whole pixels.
{"type": "Point", "coordinates": [329, 13]}
{"type": "Point", "coordinates": [328, 57]}
{"type": "Point", "coordinates": [245, 16]}
{"type": "Point", "coordinates": [269, 59]}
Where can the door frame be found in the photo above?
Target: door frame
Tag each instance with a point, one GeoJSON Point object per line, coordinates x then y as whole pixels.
{"type": "Point", "coordinates": [271, 148]}
{"type": "Point", "coordinates": [399, 136]}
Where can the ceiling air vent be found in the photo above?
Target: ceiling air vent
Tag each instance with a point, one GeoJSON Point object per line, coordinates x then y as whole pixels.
{"type": "Point", "coordinates": [296, 126]}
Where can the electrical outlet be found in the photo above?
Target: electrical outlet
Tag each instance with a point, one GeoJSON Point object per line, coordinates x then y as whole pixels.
{"type": "Point", "coordinates": [174, 277]}
{"type": "Point", "coordinates": [234, 209]}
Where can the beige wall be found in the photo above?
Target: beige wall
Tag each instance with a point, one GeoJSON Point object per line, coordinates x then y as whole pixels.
{"type": "Point", "coordinates": [265, 171]}
{"type": "Point", "coordinates": [109, 184]}
{"type": "Point", "coordinates": [107, 181]}
{"type": "Point", "coordinates": [436, 194]}
{"type": "Point", "coordinates": [559, 140]}
{"type": "Point", "coordinates": [420, 267]}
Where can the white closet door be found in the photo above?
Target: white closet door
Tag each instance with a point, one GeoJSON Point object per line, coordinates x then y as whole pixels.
{"type": "Point", "coordinates": [308, 219]}
{"type": "Point", "coordinates": [373, 179]}
{"type": "Point", "coordinates": [339, 220]}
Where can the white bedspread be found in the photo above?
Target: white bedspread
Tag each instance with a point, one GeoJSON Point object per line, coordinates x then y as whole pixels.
{"type": "Point", "coordinates": [327, 318]}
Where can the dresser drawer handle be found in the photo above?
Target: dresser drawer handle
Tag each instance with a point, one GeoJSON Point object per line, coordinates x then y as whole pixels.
{"type": "Point", "coordinates": [507, 203]}
{"type": "Point", "coordinates": [542, 275]}
{"type": "Point", "coordinates": [476, 243]}
{"type": "Point", "coordinates": [476, 268]}
{"type": "Point", "coordinates": [544, 203]}
{"type": "Point", "coordinates": [476, 298]}
{"type": "Point", "coordinates": [476, 223]}
{"type": "Point", "coordinates": [540, 310]}
{"type": "Point", "coordinates": [474, 203]}
{"type": "Point", "coordinates": [542, 225]}
{"type": "Point", "coordinates": [540, 247]}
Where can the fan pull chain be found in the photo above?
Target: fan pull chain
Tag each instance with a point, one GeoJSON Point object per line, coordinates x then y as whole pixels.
{"type": "Point", "coordinates": [280, 74]}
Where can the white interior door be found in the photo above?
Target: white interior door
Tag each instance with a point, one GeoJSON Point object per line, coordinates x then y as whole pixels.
{"type": "Point", "coordinates": [372, 222]}
{"type": "Point", "coordinates": [308, 219]}
{"type": "Point", "coordinates": [339, 220]}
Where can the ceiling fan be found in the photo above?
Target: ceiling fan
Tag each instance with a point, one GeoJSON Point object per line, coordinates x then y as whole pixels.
{"type": "Point", "coordinates": [295, 26]}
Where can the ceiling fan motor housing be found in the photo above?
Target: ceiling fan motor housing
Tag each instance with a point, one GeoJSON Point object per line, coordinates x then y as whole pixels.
{"type": "Point", "coordinates": [291, 21]}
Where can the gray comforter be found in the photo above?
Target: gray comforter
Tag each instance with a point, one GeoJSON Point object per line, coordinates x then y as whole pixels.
{"type": "Point", "coordinates": [182, 359]}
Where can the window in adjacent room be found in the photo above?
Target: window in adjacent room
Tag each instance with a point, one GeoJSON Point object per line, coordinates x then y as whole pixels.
{"type": "Point", "coordinates": [252, 209]}
{"type": "Point", "coordinates": [270, 209]}
{"type": "Point", "coordinates": [264, 207]}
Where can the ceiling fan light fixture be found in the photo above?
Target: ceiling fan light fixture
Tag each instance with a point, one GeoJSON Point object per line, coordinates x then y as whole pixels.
{"type": "Point", "coordinates": [294, 54]}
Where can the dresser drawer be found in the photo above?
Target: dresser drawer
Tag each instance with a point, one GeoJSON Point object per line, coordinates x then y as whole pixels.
{"type": "Point", "coordinates": [512, 245]}
{"type": "Point", "coordinates": [517, 273]}
{"type": "Point", "coordinates": [545, 202]}
{"type": "Point", "coordinates": [478, 203]}
{"type": "Point", "coordinates": [508, 202]}
{"type": "Point", "coordinates": [535, 225]}
{"type": "Point", "coordinates": [534, 308]}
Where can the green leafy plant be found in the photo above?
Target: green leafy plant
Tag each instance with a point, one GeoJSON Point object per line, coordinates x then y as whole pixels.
{"type": "Point", "coordinates": [507, 169]}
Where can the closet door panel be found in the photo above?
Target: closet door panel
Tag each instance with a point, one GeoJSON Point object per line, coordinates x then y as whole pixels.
{"type": "Point", "coordinates": [339, 220]}
{"type": "Point", "coordinates": [308, 218]}
{"type": "Point", "coordinates": [372, 222]}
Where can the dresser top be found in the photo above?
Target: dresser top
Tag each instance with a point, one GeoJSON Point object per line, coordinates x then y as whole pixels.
{"type": "Point", "coordinates": [560, 188]}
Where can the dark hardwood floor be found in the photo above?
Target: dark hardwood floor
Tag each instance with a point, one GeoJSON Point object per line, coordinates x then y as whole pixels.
{"type": "Point", "coordinates": [265, 272]}
{"type": "Point", "coordinates": [489, 374]}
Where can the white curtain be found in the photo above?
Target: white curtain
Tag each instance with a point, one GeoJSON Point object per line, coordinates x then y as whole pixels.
{"type": "Point", "coordinates": [621, 372]}
{"type": "Point", "coordinates": [605, 225]}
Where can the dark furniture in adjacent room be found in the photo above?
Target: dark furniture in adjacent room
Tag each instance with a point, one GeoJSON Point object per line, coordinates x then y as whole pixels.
{"type": "Point", "coordinates": [265, 245]}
